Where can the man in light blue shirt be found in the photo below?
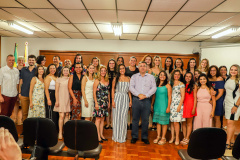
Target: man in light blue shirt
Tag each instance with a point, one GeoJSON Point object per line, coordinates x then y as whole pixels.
{"type": "Point", "coordinates": [142, 86]}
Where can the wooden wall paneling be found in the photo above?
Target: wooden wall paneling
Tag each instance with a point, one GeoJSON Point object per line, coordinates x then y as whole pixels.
{"type": "Point", "coordinates": [105, 56]}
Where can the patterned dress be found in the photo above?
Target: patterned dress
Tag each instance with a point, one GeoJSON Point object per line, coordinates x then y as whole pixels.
{"type": "Point", "coordinates": [120, 112]}
{"type": "Point", "coordinates": [176, 97]}
{"type": "Point", "coordinates": [38, 109]}
{"type": "Point", "coordinates": [155, 76]}
{"type": "Point", "coordinates": [102, 100]}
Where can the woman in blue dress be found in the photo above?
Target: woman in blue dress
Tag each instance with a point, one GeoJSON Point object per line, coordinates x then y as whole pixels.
{"type": "Point", "coordinates": [218, 85]}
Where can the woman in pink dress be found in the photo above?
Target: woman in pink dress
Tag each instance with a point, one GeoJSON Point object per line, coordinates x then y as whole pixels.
{"type": "Point", "coordinates": [205, 111]}
{"type": "Point", "coordinates": [189, 106]}
{"type": "Point", "coordinates": [62, 104]}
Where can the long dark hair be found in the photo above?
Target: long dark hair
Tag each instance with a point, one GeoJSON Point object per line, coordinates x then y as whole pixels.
{"type": "Point", "coordinates": [217, 74]}
{"type": "Point", "coordinates": [118, 74]}
{"type": "Point", "coordinates": [171, 66]}
{"type": "Point", "coordinates": [47, 72]}
{"type": "Point", "coordinates": [121, 58]}
{"type": "Point", "coordinates": [75, 67]}
{"type": "Point", "coordinates": [36, 72]}
{"type": "Point", "coordinates": [208, 84]}
{"type": "Point", "coordinates": [176, 62]}
{"type": "Point", "coordinates": [165, 81]}
{"type": "Point", "coordinates": [115, 67]}
{"type": "Point", "coordinates": [188, 65]}
{"type": "Point", "coordinates": [191, 84]}
{"type": "Point", "coordinates": [74, 62]}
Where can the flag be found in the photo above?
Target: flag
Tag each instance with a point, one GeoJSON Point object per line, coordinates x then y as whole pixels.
{"type": "Point", "coordinates": [15, 55]}
{"type": "Point", "coordinates": [26, 53]}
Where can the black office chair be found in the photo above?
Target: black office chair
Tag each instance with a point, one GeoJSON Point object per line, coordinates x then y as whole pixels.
{"type": "Point", "coordinates": [7, 123]}
{"type": "Point", "coordinates": [42, 137]}
{"type": "Point", "coordinates": [81, 138]}
{"type": "Point", "coordinates": [205, 143]}
{"type": "Point", "coordinates": [235, 151]}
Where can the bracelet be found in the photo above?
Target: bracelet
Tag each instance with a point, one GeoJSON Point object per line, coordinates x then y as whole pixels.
{"type": "Point", "coordinates": [236, 105]}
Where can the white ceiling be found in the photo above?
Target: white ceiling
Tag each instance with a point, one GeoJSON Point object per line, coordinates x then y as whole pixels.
{"type": "Point", "coordinates": [151, 20]}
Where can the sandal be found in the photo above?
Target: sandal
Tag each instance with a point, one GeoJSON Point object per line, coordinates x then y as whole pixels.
{"type": "Point", "coordinates": [156, 140]}
{"type": "Point", "coordinates": [228, 146]}
{"type": "Point", "coordinates": [176, 143]}
{"type": "Point", "coordinates": [162, 142]}
{"type": "Point", "coordinates": [184, 141]}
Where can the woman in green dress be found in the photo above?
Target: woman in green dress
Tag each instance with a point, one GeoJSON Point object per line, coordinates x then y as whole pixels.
{"type": "Point", "coordinates": [162, 102]}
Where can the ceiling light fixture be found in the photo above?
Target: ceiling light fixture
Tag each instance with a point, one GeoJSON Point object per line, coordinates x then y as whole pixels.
{"type": "Point", "coordinates": [225, 31]}
{"type": "Point", "coordinates": [20, 27]}
{"type": "Point", "coordinates": [117, 29]}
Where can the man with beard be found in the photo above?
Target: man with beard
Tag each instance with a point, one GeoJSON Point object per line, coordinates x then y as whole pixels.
{"type": "Point", "coordinates": [27, 73]}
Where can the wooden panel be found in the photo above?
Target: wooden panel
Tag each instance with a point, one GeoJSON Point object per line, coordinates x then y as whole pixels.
{"type": "Point", "coordinates": [0, 51]}
{"type": "Point", "coordinates": [105, 56]}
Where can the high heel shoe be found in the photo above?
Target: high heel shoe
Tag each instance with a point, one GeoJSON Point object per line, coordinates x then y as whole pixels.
{"type": "Point", "coordinates": [172, 140]}
{"type": "Point", "coordinates": [101, 141]}
{"type": "Point", "coordinates": [176, 143]}
{"type": "Point", "coordinates": [104, 139]}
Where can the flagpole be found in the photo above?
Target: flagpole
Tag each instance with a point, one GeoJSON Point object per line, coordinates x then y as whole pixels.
{"type": "Point", "coordinates": [26, 54]}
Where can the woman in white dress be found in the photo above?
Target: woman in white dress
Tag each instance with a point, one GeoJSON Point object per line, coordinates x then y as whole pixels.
{"type": "Point", "coordinates": [87, 93]}
{"type": "Point", "coordinates": [36, 94]}
{"type": "Point", "coordinates": [232, 102]}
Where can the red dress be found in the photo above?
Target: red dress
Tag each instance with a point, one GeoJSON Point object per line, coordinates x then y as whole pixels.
{"type": "Point", "coordinates": [188, 104]}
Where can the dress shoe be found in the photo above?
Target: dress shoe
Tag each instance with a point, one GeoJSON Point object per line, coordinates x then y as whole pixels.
{"type": "Point", "coordinates": [134, 140]}
{"type": "Point", "coordinates": [146, 141]}
{"type": "Point", "coordinates": [100, 141]}
{"type": "Point", "coordinates": [104, 139]}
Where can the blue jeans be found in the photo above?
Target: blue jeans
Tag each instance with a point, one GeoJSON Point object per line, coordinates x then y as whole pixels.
{"type": "Point", "coordinates": [140, 108]}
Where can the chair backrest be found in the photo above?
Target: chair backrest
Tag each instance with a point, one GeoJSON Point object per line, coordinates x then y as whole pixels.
{"type": "Point", "coordinates": [207, 143]}
{"type": "Point", "coordinates": [236, 148]}
{"type": "Point", "coordinates": [80, 135]}
{"type": "Point", "coordinates": [41, 129]}
{"type": "Point", "coordinates": [7, 123]}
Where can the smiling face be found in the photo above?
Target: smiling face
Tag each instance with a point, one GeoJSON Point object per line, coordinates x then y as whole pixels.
{"type": "Point", "coordinates": [31, 61]}
{"type": "Point", "coordinates": [120, 61]}
{"type": "Point", "coordinates": [103, 72]}
{"type": "Point", "coordinates": [43, 62]}
{"type": "Point", "coordinates": [78, 68]}
{"type": "Point", "coordinates": [132, 62]}
{"type": "Point", "coordinates": [233, 71]}
{"type": "Point", "coordinates": [56, 60]}
{"type": "Point", "coordinates": [157, 61]}
{"type": "Point", "coordinates": [192, 63]}
{"type": "Point", "coordinates": [10, 61]}
{"type": "Point", "coordinates": [78, 59]}
{"type": "Point", "coordinates": [178, 63]}
{"type": "Point", "coordinates": [162, 76]}
{"type": "Point", "coordinates": [223, 71]}
{"type": "Point", "coordinates": [111, 64]}
{"type": "Point", "coordinates": [122, 70]}
{"type": "Point", "coordinates": [168, 62]}
{"type": "Point", "coordinates": [20, 62]}
{"type": "Point", "coordinates": [67, 62]}
{"type": "Point", "coordinates": [65, 72]}
{"type": "Point", "coordinates": [203, 80]}
{"type": "Point", "coordinates": [176, 76]}
{"type": "Point", "coordinates": [188, 77]}
{"type": "Point", "coordinates": [148, 60]}
{"type": "Point", "coordinates": [213, 71]}
{"type": "Point", "coordinates": [40, 71]}
{"type": "Point", "coordinates": [196, 74]}
{"type": "Point", "coordinates": [52, 69]}
{"type": "Point", "coordinates": [95, 62]}
{"type": "Point", "coordinates": [91, 69]}
{"type": "Point", "coordinates": [204, 63]}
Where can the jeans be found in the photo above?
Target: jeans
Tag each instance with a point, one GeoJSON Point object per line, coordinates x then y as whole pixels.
{"type": "Point", "coordinates": [140, 108]}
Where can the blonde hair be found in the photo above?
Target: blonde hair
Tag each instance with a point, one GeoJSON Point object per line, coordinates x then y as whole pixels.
{"type": "Point", "coordinates": [20, 58]}
{"type": "Point", "coordinates": [99, 74]}
{"type": "Point", "coordinates": [61, 74]}
{"type": "Point", "coordinates": [207, 67]}
{"type": "Point", "coordinates": [99, 64]}
{"type": "Point", "coordinates": [238, 76]}
{"type": "Point", "coordinates": [160, 65]}
{"type": "Point", "coordinates": [87, 73]}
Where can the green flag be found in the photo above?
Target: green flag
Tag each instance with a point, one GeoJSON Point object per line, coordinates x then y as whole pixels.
{"type": "Point", "coordinates": [15, 55]}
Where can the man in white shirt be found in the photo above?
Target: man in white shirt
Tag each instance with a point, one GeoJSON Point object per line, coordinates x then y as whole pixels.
{"type": "Point", "coordinates": [9, 80]}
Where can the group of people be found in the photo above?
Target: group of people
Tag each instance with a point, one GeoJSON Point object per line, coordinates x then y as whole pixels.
{"type": "Point", "coordinates": [195, 97]}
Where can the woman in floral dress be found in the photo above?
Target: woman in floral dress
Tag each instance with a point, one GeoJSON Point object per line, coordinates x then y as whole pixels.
{"type": "Point", "coordinates": [36, 95]}
{"type": "Point", "coordinates": [101, 98]}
